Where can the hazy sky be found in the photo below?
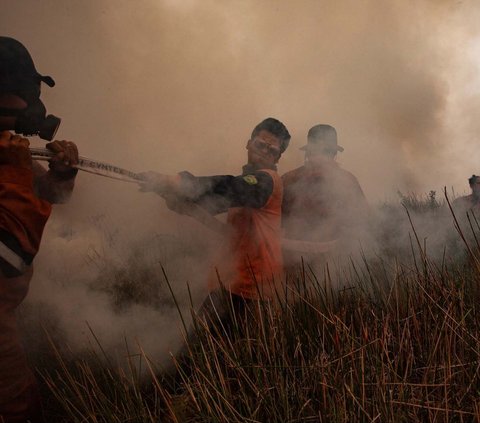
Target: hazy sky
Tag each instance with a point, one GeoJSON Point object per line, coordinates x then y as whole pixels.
{"type": "Point", "coordinates": [174, 85]}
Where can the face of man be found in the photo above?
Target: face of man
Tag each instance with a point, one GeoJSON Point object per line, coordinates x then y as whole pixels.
{"type": "Point", "coordinates": [476, 188]}
{"type": "Point", "coordinates": [10, 101]}
{"type": "Point", "coordinates": [319, 154]}
{"type": "Point", "coordinates": [264, 150]}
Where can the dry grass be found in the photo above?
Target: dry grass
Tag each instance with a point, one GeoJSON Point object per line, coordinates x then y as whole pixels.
{"type": "Point", "coordinates": [399, 343]}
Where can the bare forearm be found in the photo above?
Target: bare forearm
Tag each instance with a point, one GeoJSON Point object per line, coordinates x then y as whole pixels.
{"type": "Point", "coordinates": [54, 187]}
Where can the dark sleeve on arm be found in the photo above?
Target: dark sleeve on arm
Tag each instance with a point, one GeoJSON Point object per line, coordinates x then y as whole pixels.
{"type": "Point", "coordinates": [218, 193]}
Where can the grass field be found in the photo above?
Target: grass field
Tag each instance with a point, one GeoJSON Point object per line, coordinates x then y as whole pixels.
{"type": "Point", "coordinates": [389, 337]}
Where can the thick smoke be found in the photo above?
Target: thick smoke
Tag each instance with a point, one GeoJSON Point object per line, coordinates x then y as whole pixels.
{"type": "Point", "coordinates": [169, 86]}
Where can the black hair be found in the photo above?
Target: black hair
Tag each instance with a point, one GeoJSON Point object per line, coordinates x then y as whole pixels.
{"type": "Point", "coordinates": [472, 179]}
{"type": "Point", "coordinates": [275, 127]}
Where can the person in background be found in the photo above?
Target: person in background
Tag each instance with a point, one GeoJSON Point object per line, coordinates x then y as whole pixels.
{"type": "Point", "coordinates": [469, 203]}
{"type": "Point", "coordinates": [322, 202]}
{"type": "Point", "coordinates": [27, 191]}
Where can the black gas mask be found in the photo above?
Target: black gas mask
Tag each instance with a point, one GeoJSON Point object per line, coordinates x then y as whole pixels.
{"type": "Point", "coordinates": [19, 77]}
{"type": "Point", "coordinates": [33, 120]}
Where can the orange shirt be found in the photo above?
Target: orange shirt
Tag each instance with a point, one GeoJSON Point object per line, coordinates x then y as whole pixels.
{"type": "Point", "coordinates": [22, 213]}
{"type": "Point", "coordinates": [252, 259]}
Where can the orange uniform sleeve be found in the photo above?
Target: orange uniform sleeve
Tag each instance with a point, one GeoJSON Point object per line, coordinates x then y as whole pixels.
{"type": "Point", "coordinates": [22, 214]}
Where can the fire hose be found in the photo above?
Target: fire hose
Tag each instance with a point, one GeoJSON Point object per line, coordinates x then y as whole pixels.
{"type": "Point", "coordinates": [91, 166]}
{"type": "Point", "coordinates": [114, 172]}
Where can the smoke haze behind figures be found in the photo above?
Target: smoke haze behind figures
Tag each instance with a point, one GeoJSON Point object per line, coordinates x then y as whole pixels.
{"type": "Point", "coordinates": [179, 85]}
{"type": "Point", "coordinates": [173, 85]}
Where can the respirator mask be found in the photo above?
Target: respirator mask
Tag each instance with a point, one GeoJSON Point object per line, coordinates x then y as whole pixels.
{"type": "Point", "coordinates": [32, 120]}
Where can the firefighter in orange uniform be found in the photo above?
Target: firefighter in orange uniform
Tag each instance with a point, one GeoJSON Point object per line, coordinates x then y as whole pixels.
{"type": "Point", "coordinates": [27, 191]}
{"type": "Point", "coordinates": [251, 259]}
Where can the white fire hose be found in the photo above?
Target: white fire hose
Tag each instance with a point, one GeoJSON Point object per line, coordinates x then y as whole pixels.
{"type": "Point", "coordinates": [114, 172]}
{"type": "Point", "coordinates": [91, 166]}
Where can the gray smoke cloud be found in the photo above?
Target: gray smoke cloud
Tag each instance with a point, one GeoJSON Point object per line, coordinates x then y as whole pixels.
{"type": "Point", "coordinates": [169, 86]}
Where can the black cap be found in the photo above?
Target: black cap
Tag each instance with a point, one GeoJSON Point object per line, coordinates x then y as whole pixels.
{"type": "Point", "coordinates": [322, 138]}
{"type": "Point", "coordinates": [16, 65]}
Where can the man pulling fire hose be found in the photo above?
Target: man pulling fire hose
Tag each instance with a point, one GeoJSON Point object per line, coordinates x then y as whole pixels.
{"type": "Point", "coordinates": [27, 191]}
{"type": "Point", "coordinates": [249, 262]}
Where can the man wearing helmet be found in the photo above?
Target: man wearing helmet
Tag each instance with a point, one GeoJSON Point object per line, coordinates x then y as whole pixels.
{"type": "Point", "coordinates": [27, 191]}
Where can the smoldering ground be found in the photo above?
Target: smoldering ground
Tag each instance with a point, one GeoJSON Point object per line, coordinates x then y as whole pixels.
{"type": "Point", "coordinates": [179, 85]}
